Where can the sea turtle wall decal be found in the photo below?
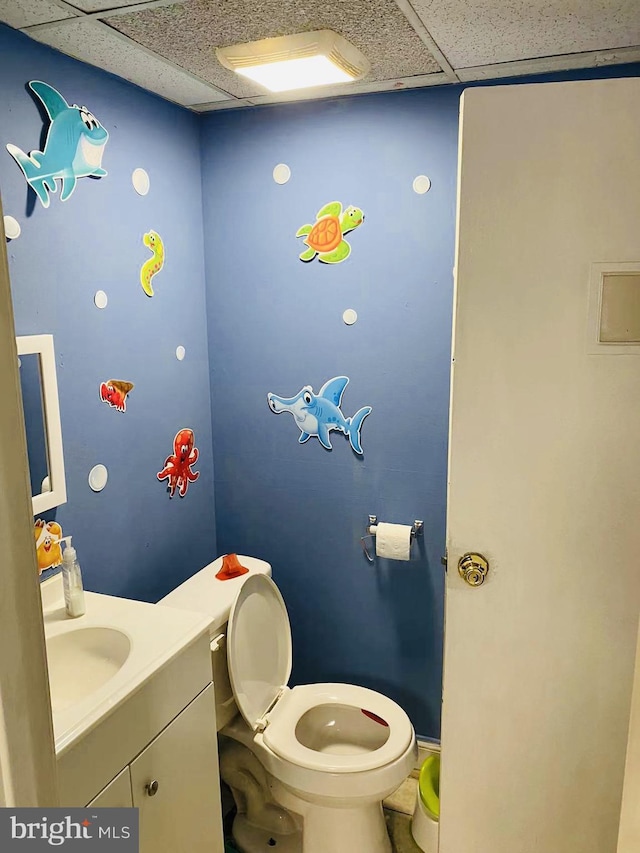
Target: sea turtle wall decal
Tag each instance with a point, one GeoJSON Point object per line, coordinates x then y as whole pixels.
{"type": "Point", "coordinates": [325, 238]}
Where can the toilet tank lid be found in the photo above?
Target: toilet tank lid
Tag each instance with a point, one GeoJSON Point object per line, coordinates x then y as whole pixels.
{"type": "Point", "coordinates": [205, 593]}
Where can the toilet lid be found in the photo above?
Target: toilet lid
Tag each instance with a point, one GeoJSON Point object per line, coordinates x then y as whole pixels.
{"type": "Point", "coordinates": [258, 647]}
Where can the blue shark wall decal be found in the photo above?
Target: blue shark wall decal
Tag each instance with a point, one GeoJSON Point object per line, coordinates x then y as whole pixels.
{"type": "Point", "coordinates": [73, 148]}
{"type": "Point", "coordinates": [318, 414]}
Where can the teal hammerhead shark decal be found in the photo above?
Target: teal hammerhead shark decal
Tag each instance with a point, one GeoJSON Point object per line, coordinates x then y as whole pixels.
{"type": "Point", "coordinates": [73, 148]}
{"type": "Point", "coordinates": [318, 414]}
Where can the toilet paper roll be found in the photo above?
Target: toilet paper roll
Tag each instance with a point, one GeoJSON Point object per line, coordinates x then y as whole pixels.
{"type": "Point", "coordinates": [393, 541]}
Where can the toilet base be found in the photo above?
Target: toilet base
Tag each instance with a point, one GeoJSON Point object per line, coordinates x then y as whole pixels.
{"type": "Point", "coordinates": [345, 830]}
{"type": "Point", "coordinates": [327, 828]}
{"type": "Point", "coordinates": [255, 839]}
{"type": "Point", "coordinates": [337, 830]}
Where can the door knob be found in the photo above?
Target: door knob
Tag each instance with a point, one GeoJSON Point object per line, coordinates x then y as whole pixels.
{"type": "Point", "coordinates": [152, 788]}
{"type": "Point", "coordinates": [473, 569]}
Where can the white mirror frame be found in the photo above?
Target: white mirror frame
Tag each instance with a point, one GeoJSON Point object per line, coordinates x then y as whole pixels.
{"type": "Point", "coordinates": [42, 345]}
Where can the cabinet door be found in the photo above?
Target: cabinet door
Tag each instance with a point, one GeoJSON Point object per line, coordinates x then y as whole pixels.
{"type": "Point", "coordinates": [117, 793]}
{"type": "Point", "coordinates": [176, 784]}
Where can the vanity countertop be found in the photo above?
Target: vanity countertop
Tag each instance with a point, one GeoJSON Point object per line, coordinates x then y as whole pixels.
{"type": "Point", "coordinates": [156, 636]}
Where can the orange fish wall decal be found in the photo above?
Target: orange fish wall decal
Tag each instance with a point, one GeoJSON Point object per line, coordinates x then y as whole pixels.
{"type": "Point", "coordinates": [114, 392]}
{"type": "Point", "coordinates": [48, 545]}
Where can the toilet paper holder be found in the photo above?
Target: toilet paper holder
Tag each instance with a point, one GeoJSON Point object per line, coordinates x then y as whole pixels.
{"type": "Point", "coordinates": [417, 529]}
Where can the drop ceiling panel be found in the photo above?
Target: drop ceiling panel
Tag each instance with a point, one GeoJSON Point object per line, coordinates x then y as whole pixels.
{"type": "Point", "coordinates": [483, 32]}
{"type": "Point", "coordinates": [544, 65]}
{"type": "Point", "coordinates": [188, 34]}
{"type": "Point", "coordinates": [93, 42]}
{"type": "Point", "coordinates": [27, 13]}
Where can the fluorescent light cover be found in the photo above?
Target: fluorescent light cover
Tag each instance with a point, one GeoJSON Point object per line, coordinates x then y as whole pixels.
{"type": "Point", "coordinates": [296, 73]}
{"type": "Point", "coordinates": [296, 61]}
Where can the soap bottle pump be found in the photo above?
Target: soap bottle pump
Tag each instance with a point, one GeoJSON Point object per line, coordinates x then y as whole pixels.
{"type": "Point", "coordinates": [72, 580]}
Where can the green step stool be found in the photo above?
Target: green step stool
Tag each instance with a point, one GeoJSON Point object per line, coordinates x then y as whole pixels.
{"type": "Point", "coordinates": [424, 824]}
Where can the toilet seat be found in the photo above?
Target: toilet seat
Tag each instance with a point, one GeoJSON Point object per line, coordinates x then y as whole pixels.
{"type": "Point", "coordinates": [281, 737]}
{"type": "Point", "coordinates": [259, 657]}
{"type": "Point", "coordinates": [258, 648]}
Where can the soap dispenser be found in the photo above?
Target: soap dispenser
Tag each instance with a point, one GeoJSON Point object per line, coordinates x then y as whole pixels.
{"type": "Point", "coordinates": [72, 580]}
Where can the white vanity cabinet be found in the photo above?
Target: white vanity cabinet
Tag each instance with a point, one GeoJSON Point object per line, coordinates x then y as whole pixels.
{"type": "Point", "coordinates": [176, 786]}
{"type": "Point", "coordinates": [117, 794]}
{"type": "Point", "coordinates": [174, 783]}
{"type": "Point", "coordinates": [156, 750]}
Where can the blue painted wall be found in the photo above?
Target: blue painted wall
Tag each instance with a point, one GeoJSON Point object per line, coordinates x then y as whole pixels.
{"type": "Point", "coordinates": [275, 324]}
{"type": "Point", "coordinates": [132, 539]}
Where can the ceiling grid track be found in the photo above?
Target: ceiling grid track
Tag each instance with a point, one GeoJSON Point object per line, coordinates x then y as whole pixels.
{"type": "Point", "coordinates": [427, 39]}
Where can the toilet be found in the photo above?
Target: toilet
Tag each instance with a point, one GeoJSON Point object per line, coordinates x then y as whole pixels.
{"type": "Point", "coordinates": [310, 765]}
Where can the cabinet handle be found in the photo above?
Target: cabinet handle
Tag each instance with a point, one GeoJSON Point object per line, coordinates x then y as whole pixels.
{"type": "Point", "coordinates": [152, 788]}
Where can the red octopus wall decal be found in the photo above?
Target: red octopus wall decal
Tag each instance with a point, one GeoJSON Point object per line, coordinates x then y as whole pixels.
{"type": "Point", "coordinates": [177, 467]}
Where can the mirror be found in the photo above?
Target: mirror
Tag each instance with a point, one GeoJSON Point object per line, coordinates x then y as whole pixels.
{"type": "Point", "coordinates": [42, 421]}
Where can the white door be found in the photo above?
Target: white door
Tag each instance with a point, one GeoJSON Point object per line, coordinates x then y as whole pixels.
{"type": "Point", "coordinates": [544, 474]}
{"type": "Point", "coordinates": [27, 757]}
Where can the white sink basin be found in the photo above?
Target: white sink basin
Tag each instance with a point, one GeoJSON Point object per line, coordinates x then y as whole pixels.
{"type": "Point", "coordinates": [83, 660]}
{"type": "Point", "coordinates": [97, 661]}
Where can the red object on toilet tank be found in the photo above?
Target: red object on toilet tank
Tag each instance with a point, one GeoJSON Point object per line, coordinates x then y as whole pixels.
{"type": "Point", "coordinates": [231, 568]}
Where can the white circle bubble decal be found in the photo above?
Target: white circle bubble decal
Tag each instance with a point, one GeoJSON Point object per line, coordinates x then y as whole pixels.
{"type": "Point", "coordinates": [140, 181]}
{"type": "Point", "coordinates": [180, 353]}
{"type": "Point", "coordinates": [421, 184]}
{"type": "Point", "coordinates": [281, 173]}
{"type": "Point", "coordinates": [350, 316]}
{"type": "Point", "coordinates": [12, 228]}
{"type": "Point", "coordinates": [100, 299]}
{"type": "Point", "coordinates": [98, 477]}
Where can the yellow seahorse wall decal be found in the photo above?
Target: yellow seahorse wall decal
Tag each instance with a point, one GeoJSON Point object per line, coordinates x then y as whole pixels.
{"type": "Point", "coordinates": [153, 241]}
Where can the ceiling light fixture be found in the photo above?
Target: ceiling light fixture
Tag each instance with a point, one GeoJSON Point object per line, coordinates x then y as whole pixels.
{"type": "Point", "coordinates": [297, 61]}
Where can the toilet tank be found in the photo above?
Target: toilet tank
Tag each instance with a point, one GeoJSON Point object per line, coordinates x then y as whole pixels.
{"type": "Point", "coordinates": [205, 593]}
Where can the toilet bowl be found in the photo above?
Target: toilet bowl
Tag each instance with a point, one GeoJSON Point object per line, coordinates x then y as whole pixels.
{"type": "Point", "coordinates": [332, 752]}
{"type": "Point", "coordinates": [309, 765]}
